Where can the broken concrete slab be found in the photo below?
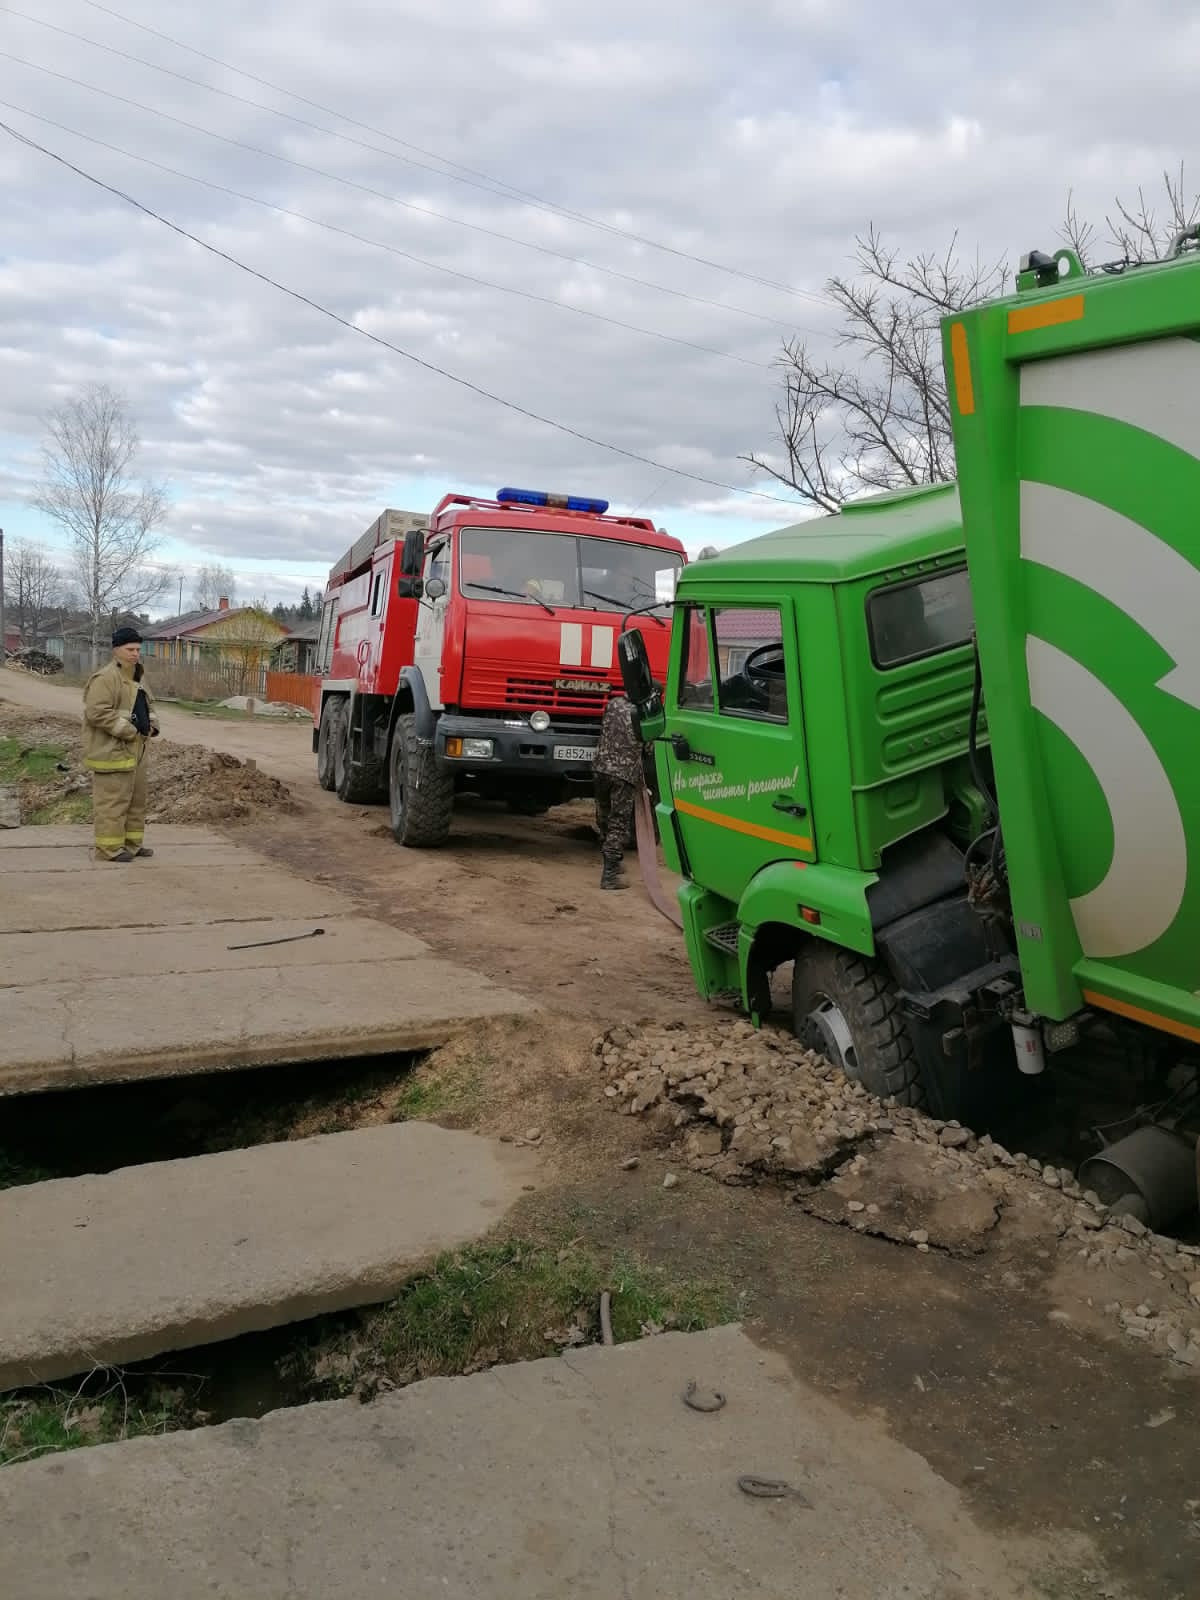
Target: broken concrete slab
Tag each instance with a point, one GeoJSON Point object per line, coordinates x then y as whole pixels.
{"type": "Point", "coordinates": [583, 1476]}
{"type": "Point", "coordinates": [112, 973]}
{"type": "Point", "coordinates": [111, 1269]}
{"type": "Point", "coordinates": [28, 958]}
{"type": "Point", "coordinates": [10, 808]}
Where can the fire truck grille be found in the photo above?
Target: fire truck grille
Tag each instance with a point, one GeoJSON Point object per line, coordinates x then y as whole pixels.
{"type": "Point", "coordinates": [490, 687]}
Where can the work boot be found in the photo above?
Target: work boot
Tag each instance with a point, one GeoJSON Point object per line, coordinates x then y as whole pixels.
{"type": "Point", "coordinates": [610, 877]}
{"type": "Point", "coordinates": [121, 855]}
{"type": "Point", "coordinates": [143, 850]}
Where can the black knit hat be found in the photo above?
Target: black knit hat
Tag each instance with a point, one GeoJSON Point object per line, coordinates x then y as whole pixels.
{"type": "Point", "coordinates": [126, 636]}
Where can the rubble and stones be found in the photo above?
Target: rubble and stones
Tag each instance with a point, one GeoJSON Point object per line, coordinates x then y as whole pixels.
{"type": "Point", "coordinates": [745, 1106]}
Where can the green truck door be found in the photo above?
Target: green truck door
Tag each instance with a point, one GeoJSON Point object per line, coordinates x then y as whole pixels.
{"type": "Point", "coordinates": [736, 763]}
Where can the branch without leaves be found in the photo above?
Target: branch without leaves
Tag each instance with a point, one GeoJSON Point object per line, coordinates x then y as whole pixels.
{"type": "Point", "coordinates": [882, 420]}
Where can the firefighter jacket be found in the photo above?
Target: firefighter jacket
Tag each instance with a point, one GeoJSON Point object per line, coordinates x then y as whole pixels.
{"type": "Point", "coordinates": [619, 751]}
{"type": "Point", "coordinates": [111, 743]}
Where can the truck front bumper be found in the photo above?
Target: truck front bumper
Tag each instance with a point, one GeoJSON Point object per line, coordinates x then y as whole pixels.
{"type": "Point", "coordinates": [488, 745]}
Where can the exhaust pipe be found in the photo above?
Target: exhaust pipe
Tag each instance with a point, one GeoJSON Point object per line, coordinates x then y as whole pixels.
{"type": "Point", "coordinates": [1152, 1174]}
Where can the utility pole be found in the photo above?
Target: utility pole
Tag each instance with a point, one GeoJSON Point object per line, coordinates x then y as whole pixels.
{"type": "Point", "coordinates": [3, 634]}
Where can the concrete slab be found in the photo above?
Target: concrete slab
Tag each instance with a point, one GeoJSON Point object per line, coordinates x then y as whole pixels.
{"type": "Point", "coordinates": [147, 894]}
{"type": "Point", "coordinates": [113, 1030]}
{"type": "Point", "coordinates": [28, 958]}
{"type": "Point", "coordinates": [77, 859]}
{"type": "Point", "coordinates": [75, 837]}
{"type": "Point", "coordinates": [111, 1269]}
{"type": "Point", "coordinates": [109, 973]}
{"type": "Point", "coordinates": [583, 1477]}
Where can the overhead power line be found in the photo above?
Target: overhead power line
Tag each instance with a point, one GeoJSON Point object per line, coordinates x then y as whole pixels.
{"type": "Point", "coordinates": [375, 338]}
{"type": "Point", "coordinates": [485, 179]}
{"type": "Point", "coordinates": [408, 205]}
{"type": "Point", "coordinates": [379, 244]}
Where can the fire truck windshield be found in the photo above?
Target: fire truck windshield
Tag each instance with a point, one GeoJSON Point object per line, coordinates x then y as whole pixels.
{"type": "Point", "coordinates": [565, 569]}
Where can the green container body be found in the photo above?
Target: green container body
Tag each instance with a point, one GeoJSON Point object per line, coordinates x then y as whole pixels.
{"type": "Point", "coordinates": [1076, 416]}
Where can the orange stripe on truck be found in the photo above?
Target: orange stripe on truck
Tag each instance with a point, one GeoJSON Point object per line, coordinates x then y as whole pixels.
{"type": "Point", "coordinates": [1050, 314]}
{"type": "Point", "coordinates": [753, 830]}
{"type": "Point", "coordinates": [960, 360]}
{"type": "Point", "coordinates": [1182, 1030]}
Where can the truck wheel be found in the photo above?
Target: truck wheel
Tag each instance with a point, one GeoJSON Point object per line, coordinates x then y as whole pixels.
{"type": "Point", "coordinates": [328, 736]}
{"type": "Point", "coordinates": [420, 793]}
{"type": "Point", "coordinates": [357, 786]}
{"type": "Point", "coordinates": [846, 1007]}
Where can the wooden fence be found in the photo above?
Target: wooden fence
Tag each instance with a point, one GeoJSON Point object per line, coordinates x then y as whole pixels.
{"type": "Point", "coordinates": [294, 688]}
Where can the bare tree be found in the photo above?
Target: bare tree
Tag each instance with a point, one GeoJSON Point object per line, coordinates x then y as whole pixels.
{"type": "Point", "coordinates": [213, 584]}
{"type": "Point", "coordinates": [1138, 232]}
{"type": "Point", "coordinates": [89, 488]}
{"type": "Point", "coordinates": [36, 590]}
{"type": "Point", "coordinates": [877, 417]}
{"type": "Point", "coordinates": [880, 418]}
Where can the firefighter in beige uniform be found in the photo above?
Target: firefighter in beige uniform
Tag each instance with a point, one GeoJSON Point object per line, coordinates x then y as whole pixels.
{"type": "Point", "coordinates": [119, 720]}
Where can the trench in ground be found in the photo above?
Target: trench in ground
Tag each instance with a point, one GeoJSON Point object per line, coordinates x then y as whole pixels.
{"type": "Point", "coordinates": [514, 1297]}
{"type": "Point", "coordinates": [64, 1133]}
{"type": "Point", "coordinates": [67, 1133]}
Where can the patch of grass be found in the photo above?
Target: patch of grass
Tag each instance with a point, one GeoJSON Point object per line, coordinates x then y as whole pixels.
{"type": "Point", "coordinates": [514, 1300]}
{"type": "Point", "coordinates": [101, 1410]}
{"type": "Point", "coordinates": [430, 1093]}
{"type": "Point", "coordinates": [73, 808]}
{"type": "Point", "coordinates": [22, 763]}
{"type": "Point", "coordinates": [34, 769]}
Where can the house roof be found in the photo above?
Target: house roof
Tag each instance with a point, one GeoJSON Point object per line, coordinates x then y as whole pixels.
{"type": "Point", "coordinates": [305, 630]}
{"type": "Point", "coordinates": [737, 624]}
{"type": "Point", "coordinates": [196, 621]}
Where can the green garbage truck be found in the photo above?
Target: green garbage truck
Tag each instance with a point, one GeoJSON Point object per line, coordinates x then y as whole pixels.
{"type": "Point", "coordinates": [941, 751]}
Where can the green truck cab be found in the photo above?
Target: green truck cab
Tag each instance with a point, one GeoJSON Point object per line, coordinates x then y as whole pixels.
{"type": "Point", "coordinates": [939, 750]}
{"type": "Point", "coordinates": [814, 760]}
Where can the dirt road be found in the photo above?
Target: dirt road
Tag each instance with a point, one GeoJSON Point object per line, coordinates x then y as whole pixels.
{"type": "Point", "coordinates": [1078, 1445]}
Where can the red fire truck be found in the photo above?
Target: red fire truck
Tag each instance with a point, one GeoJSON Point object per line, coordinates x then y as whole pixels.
{"type": "Point", "coordinates": [477, 654]}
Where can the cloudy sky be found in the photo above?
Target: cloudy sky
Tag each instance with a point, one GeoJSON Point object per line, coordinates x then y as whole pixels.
{"type": "Point", "coordinates": [726, 156]}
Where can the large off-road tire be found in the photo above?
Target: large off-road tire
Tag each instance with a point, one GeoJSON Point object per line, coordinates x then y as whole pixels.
{"type": "Point", "coordinates": [420, 793]}
{"type": "Point", "coordinates": [361, 785]}
{"type": "Point", "coordinates": [846, 1007]}
{"type": "Point", "coordinates": [330, 731]}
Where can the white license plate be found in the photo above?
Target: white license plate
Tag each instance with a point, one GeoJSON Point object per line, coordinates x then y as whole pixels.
{"type": "Point", "coordinates": [573, 752]}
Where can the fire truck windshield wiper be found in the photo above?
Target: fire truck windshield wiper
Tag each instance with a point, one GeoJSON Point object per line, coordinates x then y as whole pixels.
{"type": "Point", "coordinates": [515, 594]}
{"type": "Point", "coordinates": [619, 605]}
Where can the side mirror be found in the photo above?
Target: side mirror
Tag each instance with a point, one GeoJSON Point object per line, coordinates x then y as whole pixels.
{"type": "Point", "coordinates": [410, 588]}
{"type": "Point", "coordinates": [435, 588]}
{"type": "Point", "coordinates": [635, 666]}
{"type": "Point", "coordinates": [412, 553]}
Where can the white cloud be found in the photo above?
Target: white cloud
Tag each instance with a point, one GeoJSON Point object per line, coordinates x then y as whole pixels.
{"type": "Point", "coordinates": [763, 136]}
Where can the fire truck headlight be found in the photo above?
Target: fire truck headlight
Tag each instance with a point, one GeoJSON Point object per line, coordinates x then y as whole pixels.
{"type": "Point", "coordinates": [477, 749]}
{"type": "Point", "coordinates": [539, 721]}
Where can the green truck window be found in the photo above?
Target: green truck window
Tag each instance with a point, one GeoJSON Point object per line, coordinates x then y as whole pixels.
{"type": "Point", "coordinates": [751, 662]}
{"type": "Point", "coordinates": [695, 677]}
{"type": "Point", "coordinates": [919, 618]}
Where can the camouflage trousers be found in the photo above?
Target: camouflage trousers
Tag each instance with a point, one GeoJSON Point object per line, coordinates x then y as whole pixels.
{"type": "Point", "coordinates": [614, 815]}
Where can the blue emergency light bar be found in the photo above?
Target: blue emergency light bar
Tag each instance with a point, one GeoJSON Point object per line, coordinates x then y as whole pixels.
{"type": "Point", "coordinates": [556, 502]}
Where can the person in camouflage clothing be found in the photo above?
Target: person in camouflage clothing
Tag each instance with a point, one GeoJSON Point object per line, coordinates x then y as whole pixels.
{"type": "Point", "coordinates": [618, 776]}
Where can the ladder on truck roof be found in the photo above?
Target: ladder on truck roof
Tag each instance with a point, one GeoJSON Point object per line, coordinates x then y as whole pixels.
{"type": "Point", "coordinates": [389, 525]}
